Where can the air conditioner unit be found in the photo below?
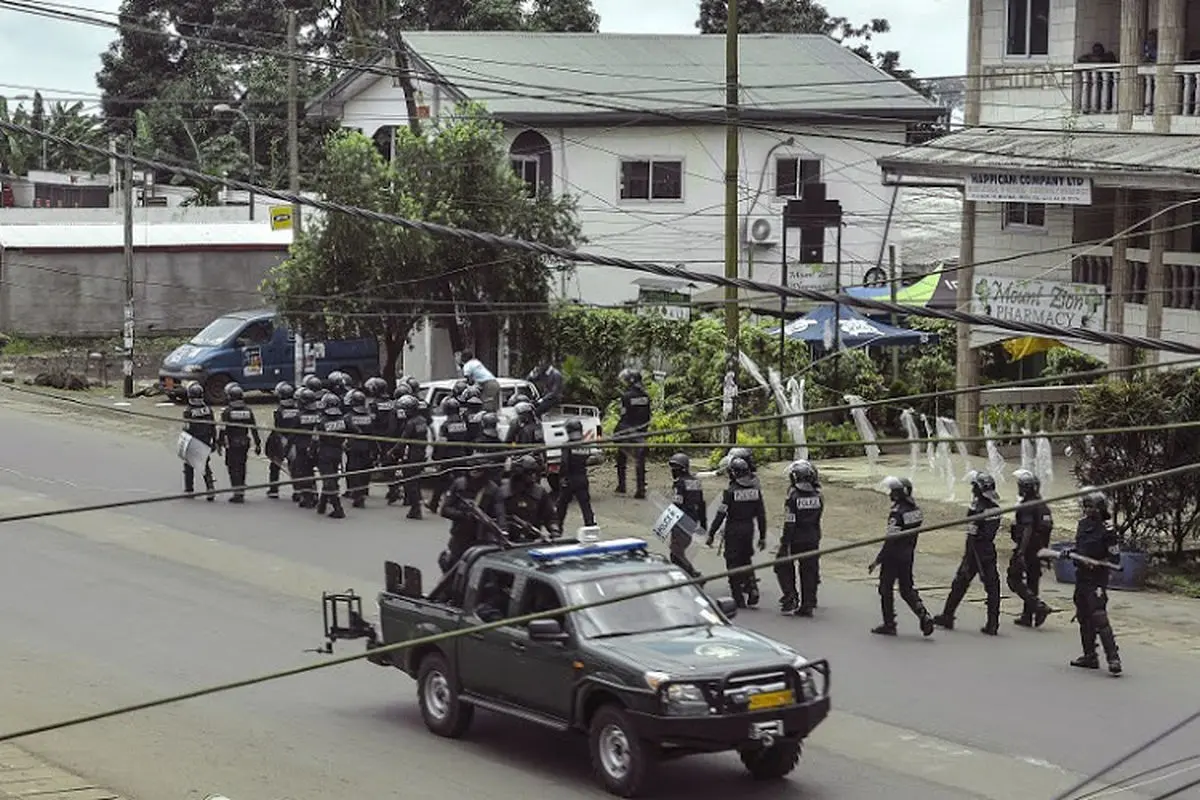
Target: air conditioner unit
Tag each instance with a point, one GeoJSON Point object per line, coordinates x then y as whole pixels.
{"type": "Point", "coordinates": [760, 231]}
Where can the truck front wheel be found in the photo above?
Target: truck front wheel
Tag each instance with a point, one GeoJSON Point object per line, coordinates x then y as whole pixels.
{"type": "Point", "coordinates": [774, 762]}
{"type": "Point", "coordinates": [214, 389]}
{"type": "Point", "coordinates": [444, 712]}
{"type": "Point", "coordinates": [621, 761]}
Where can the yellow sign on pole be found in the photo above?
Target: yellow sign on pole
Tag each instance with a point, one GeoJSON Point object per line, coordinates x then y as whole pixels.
{"type": "Point", "coordinates": [281, 218]}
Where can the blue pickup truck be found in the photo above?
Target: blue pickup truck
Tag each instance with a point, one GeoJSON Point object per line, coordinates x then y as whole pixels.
{"type": "Point", "coordinates": [256, 349]}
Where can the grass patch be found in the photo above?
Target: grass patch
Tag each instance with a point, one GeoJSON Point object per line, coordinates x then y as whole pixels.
{"type": "Point", "coordinates": [18, 346]}
{"type": "Point", "coordinates": [1181, 579]}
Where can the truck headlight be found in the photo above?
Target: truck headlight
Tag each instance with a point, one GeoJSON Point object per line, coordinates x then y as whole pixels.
{"type": "Point", "coordinates": [685, 699]}
{"type": "Point", "coordinates": [808, 681]}
{"type": "Point", "coordinates": [193, 368]}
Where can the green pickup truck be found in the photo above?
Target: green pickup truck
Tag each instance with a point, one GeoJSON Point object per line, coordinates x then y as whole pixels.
{"type": "Point", "coordinates": [655, 677]}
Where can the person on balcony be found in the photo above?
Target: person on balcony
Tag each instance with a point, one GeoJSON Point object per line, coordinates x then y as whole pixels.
{"type": "Point", "coordinates": [1150, 47]}
{"type": "Point", "coordinates": [1099, 55]}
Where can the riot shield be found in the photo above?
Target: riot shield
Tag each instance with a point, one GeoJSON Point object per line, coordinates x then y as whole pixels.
{"type": "Point", "coordinates": [193, 451]}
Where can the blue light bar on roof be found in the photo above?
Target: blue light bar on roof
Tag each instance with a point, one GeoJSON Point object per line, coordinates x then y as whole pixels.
{"type": "Point", "coordinates": [587, 549]}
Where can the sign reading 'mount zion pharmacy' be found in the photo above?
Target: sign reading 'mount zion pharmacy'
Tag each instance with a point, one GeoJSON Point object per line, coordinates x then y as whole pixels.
{"type": "Point", "coordinates": [1005, 187]}
{"type": "Point", "coordinates": [1064, 305]}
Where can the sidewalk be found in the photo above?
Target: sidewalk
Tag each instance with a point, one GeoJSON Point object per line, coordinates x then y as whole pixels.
{"type": "Point", "coordinates": [26, 777]}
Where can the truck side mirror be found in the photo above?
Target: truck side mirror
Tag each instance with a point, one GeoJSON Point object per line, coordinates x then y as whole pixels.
{"type": "Point", "coordinates": [546, 630]}
{"type": "Point", "coordinates": [728, 607]}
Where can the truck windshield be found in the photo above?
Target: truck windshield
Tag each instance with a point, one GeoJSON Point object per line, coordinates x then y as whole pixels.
{"type": "Point", "coordinates": [671, 608]}
{"type": "Point", "coordinates": [218, 331]}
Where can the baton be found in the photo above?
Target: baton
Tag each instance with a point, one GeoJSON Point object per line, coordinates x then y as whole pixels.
{"type": "Point", "coordinates": [1049, 554]}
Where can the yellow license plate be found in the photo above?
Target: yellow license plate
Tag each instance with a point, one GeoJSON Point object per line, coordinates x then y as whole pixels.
{"type": "Point", "coordinates": [772, 700]}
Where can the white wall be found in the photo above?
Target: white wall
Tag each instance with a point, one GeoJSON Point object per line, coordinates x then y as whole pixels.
{"type": "Point", "coordinates": [1034, 91]}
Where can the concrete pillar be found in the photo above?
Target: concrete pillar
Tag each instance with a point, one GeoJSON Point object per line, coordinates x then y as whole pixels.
{"type": "Point", "coordinates": [1130, 47]}
{"type": "Point", "coordinates": [1120, 355]}
{"type": "Point", "coordinates": [1156, 271]}
{"type": "Point", "coordinates": [1170, 47]}
{"type": "Point", "coordinates": [966, 405]}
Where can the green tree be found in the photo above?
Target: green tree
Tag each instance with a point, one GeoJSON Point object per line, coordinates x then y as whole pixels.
{"type": "Point", "coordinates": [20, 153]}
{"type": "Point", "coordinates": [807, 16]}
{"type": "Point", "coordinates": [350, 277]}
{"type": "Point", "coordinates": [566, 16]}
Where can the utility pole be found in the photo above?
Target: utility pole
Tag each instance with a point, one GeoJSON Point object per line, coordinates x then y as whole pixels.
{"type": "Point", "coordinates": [966, 405]}
{"type": "Point", "coordinates": [293, 119]}
{"type": "Point", "coordinates": [127, 210]}
{"type": "Point", "coordinates": [732, 115]}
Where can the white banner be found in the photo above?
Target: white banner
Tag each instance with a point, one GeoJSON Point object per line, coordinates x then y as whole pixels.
{"type": "Point", "coordinates": [1003, 187]}
{"type": "Point", "coordinates": [1065, 305]}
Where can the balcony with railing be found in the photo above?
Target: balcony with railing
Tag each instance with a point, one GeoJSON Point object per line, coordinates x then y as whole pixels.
{"type": "Point", "coordinates": [1181, 275]}
{"type": "Point", "coordinates": [1097, 89]}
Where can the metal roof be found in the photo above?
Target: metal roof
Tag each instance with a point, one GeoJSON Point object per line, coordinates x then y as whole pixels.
{"type": "Point", "coordinates": [539, 74]}
{"type": "Point", "coordinates": [1137, 160]}
{"type": "Point", "coordinates": [69, 236]}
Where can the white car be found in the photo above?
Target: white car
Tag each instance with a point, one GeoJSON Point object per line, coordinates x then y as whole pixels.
{"type": "Point", "coordinates": [553, 423]}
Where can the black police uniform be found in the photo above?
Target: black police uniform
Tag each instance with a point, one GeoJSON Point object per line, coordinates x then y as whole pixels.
{"type": "Point", "coordinates": [979, 558]}
{"type": "Point", "coordinates": [635, 419]}
{"type": "Point", "coordinates": [359, 455]}
{"type": "Point", "coordinates": [491, 452]}
{"type": "Point", "coordinates": [575, 484]}
{"type": "Point", "coordinates": [741, 508]}
{"type": "Point", "coordinates": [287, 419]}
{"type": "Point", "coordinates": [200, 424]}
{"type": "Point", "coordinates": [1030, 533]}
{"type": "Point", "coordinates": [238, 427]}
{"type": "Point", "coordinates": [689, 498]}
{"type": "Point", "coordinates": [529, 509]}
{"type": "Point", "coordinates": [305, 459]}
{"type": "Point", "coordinates": [468, 496]}
{"type": "Point", "coordinates": [801, 534]}
{"type": "Point", "coordinates": [1095, 539]}
{"type": "Point", "coordinates": [550, 389]}
{"type": "Point", "coordinates": [474, 417]}
{"type": "Point", "coordinates": [454, 442]}
{"type": "Point", "coordinates": [895, 562]}
{"type": "Point", "coordinates": [416, 432]}
{"type": "Point", "coordinates": [330, 444]}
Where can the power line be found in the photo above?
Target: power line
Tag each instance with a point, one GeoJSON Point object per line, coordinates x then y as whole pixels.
{"type": "Point", "coordinates": [523, 619]}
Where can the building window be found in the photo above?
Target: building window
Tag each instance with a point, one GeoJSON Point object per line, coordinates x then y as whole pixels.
{"type": "Point", "coordinates": [1028, 27]}
{"type": "Point", "coordinates": [528, 169]}
{"type": "Point", "coordinates": [793, 174]}
{"type": "Point", "coordinates": [651, 180]}
{"type": "Point", "coordinates": [1025, 215]}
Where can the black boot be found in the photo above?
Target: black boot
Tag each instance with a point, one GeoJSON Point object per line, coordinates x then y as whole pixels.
{"type": "Point", "coordinates": [338, 512]}
{"type": "Point", "coordinates": [360, 501]}
{"type": "Point", "coordinates": [323, 504]}
{"type": "Point", "coordinates": [788, 604]}
{"type": "Point", "coordinates": [414, 512]}
{"type": "Point", "coordinates": [944, 621]}
{"type": "Point", "coordinates": [210, 486]}
{"type": "Point", "coordinates": [1087, 661]}
{"type": "Point", "coordinates": [752, 596]}
{"type": "Point", "coordinates": [1025, 620]}
{"type": "Point", "coordinates": [237, 498]}
{"type": "Point", "coordinates": [927, 624]}
{"type": "Point", "coordinates": [886, 629]}
{"type": "Point", "coordinates": [1039, 616]}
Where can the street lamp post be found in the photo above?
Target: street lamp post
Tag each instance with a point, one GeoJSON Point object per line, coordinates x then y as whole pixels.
{"type": "Point", "coordinates": [225, 108]}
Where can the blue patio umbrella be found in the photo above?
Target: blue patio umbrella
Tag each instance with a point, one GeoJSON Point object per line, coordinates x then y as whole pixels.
{"type": "Point", "coordinates": [816, 327]}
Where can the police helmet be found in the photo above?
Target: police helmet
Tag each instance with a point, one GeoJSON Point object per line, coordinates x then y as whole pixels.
{"type": "Point", "coordinates": [305, 396]}
{"type": "Point", "coordinates": [336, 378]}
{"type": "Point", "coordinates": [195, 394]}
{"type": "Point", "coordinates": [1028, 484]}
{"type": "Point", "coordinates": [407, 403]}
{"type": "Point", "coordinates": [802, 475]}
{"type": "Point", "coordinates": [375, 387]}
{"type": "Point", "coordinates": [471, 391]}
{"type": "Point", "coordinates": [738, 468]}
{"type": "Point", "coordinates": [450, 407]}
{"type": "Point", "coordinates": [331, 401]}
{"type": "Point", "coordinates": [284, 390]}
{"type": "Point", "coordinates": [679, 463]}
{"type": "Point", "coordinates": [524, 410]}
{"type": "Point", "coordinates": [517, 399]}
{"type": "Point", "coordinates": [489, 422]}
{"type": "Point", "coordinates": [356, 399]}
{"type": "Point", "coordinates": [908, 487]}
{"type": "Point", "coordinates": [629, 375]}
{"type": "Point", "coordinates": [984, 485]}
{"type": "Point", "coordinates": [460, 386]}
{"type": "Point", "coordinates": [413, 384]}
{"type": "Point", "coordinates": [743, 453]}
{"type": "Point", "coordinates": [403, 390]}
{"type": "Point", "coordinates": [234, 392]}
{"type": "Point", "coordinates": [314, 383]}
{"type": "Point", "coordinates": [525, 466]}
{"type": "Point", "coordinates": [473, 403]}
{"type": "Point", "coordinates": [1094, 504]}
{"type": "Point", "coordinates": [574, 430]}
{"type": "Point", "coordinates": [895, 488]}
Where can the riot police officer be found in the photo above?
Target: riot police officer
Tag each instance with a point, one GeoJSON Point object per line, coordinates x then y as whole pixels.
{"type": "Point", "coordinates": [1096, 541]}
{"type": "Point", "coordinates": [488, 445]}
{"type": "Point", "coordinates": [979, 557]}
{"type": "Point", "coordinates": [237, 427]}
{"type": "Point", "coordinates": [473, 413]}
{"type": "Point", "coordinates": [475, 510]}
{"type": "Point", "coordinates": [528, 507]}
{"type": "Point", "coordinates": [314, 385]}
{"type": "Point", "coordinates": [383, 412]}
{"type": "Point", "coordinates": [631, 429]}
{"type": "Point", "coordinates": [549, 382]}
{"type": "Point", "coordinates": [1030, 533]}
{"type": "Point", "coordinates": [287, 418]}
{"type": "Point", "coordinates": [304, 462]}
{"type": "Point", "coordinates": [198, 422]}
{"type": "Point", "coordinates": [414, 439]}
{"type": "Point", "coordinates": [801, 534]}
{"type": "Point", "coordinates": [453, 441]}
{"type": "Point", "coordinates": [896, 556]}
{"type": "Point", "coordinates": [741, 508]}
{"type": "Point", "coordinates": [526, 432]}
{"type": "Point", "coordinates": [328, 447]}
{"type": "Point", "coordinates": [689, 498]}
{"type": "Point", "coordinates": [575, 482]}
{"type": "Point", "coordinates": [358, 451]}
{"type": "Point", "coordinates": [338, 383]}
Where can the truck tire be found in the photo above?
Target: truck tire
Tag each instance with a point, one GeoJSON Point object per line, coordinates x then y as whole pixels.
{"type": "Point", "coordinates": [444, 712]}
{"type": "Point", "coordinates": [774, 762]}
{"type": "Point", "coordinates": [214, 389]}
{"type": "Point", "coordinates": [621, 762]}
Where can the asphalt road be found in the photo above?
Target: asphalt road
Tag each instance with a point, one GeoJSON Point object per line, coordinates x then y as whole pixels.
{"type": "Point", "coordinates": [113, 607]}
